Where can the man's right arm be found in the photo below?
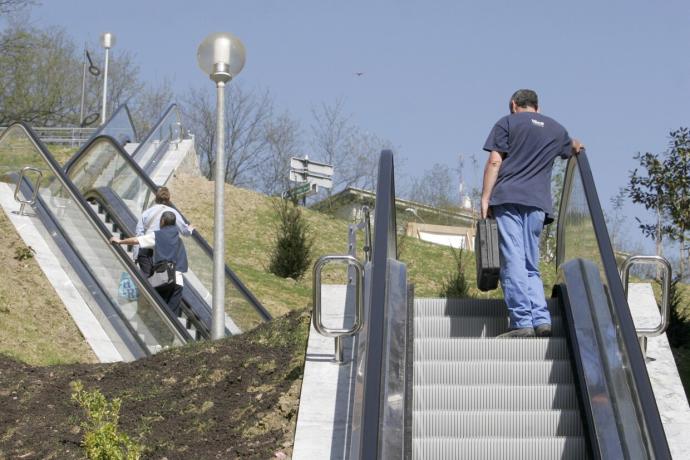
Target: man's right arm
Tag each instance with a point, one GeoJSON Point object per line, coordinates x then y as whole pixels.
{"type": "Point", "coordinates": [493, 164]}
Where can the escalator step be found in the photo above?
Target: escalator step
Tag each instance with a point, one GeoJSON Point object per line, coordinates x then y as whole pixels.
{"type": "Point", "coordinates": [497, 424]}
{"type": "Point", "coordinates": [561, 448]}
{"type": "Point", "coordinates": [494, 397]}
{"type": "Point", "coordinates": [493, 372]}
{"type": "Point", "coordinates": [475, 349]}
{"type": "Point", "coordinates": [469, 307]}
{"type": "Point", "coordinates": [472, 326]}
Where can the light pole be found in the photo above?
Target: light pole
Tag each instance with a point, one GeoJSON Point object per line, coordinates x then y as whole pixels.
{"type": "Point", "coordinates": [221, 57]}
{"type": "Point", "coordinates": [107, 42]}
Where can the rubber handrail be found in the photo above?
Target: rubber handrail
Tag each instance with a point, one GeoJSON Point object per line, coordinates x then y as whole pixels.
{"type": "Point", "coordinates": [244, 291]}
{"type": "Point", "coordinates": [638, 367]}
{"type": "Point", "coordinates": [74, 193]}
{"type": "Point", "coordinates": [384, 248]}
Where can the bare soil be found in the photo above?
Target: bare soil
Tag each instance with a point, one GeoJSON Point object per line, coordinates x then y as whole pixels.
{"type": "Point", "coordinates": [234, 398]}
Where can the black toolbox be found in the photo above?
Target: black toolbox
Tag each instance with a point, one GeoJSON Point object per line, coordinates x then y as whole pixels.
{"type": "Point", "coordinates": [486, 252]}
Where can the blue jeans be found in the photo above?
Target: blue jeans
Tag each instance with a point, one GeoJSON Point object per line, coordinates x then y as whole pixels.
{"type": "Point", "coordinates": [519, 228]}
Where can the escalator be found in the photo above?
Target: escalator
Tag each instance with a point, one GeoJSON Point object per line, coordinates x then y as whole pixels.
{"type": "Point", "coordinates": [165, 135]}
{"type": "Point", "coordinates": [433, 382]}
{"type": "Point", "coordinates": [139, 325]}
{"type": "Point", "coordinates": [105, 174]}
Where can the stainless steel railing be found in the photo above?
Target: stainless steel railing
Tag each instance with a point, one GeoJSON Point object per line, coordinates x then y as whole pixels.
{"type": "Point", "coordinates": [644, 332]}
{"type": "Point", "coordinates": [17, 191]}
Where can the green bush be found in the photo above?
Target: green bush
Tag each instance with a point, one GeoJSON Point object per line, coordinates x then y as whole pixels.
{"type": "Point", "coordinates": [101, 437]}
{"type": "Point", "coordinates": [291, 254]}
{"type": "Point", "coordinates": [455, 285]}
{"type": "Point", "coordinates": [678, 331]}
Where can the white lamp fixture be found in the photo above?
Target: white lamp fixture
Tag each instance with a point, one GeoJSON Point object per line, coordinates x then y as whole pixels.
{"type": "Point", "coordinates": [107, 42]}
{"type": "Point", "coordinates": [220, 56]}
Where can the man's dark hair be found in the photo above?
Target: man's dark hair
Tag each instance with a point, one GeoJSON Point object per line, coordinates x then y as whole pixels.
{"type": "Point", "coordinates": [524, 98]}
{"type": "Point", "coordinates": [167, 218]}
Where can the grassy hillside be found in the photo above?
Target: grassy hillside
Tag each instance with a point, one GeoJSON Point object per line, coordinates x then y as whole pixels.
{"type": "Point", "coordinates": [250, 221]}
{"type": "Point", "coordinates": [36, 328]}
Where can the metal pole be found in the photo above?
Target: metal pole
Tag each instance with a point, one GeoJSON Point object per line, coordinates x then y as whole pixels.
{"type": "Point", "coordinates": [218, 319]}
{"type": "Point", "coordinates": [105, 85]}
{"type": "Point", "coordinates": [83, 90]}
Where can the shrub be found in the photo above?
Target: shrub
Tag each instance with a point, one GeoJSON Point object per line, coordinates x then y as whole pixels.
{"type": "Point", "coordinates": [291, 254]}
{"type": "Point", "coordinates": [101, 437]}
{"type": "Point", "coordinates": [455, 285]}
{"type": "Point", "coordinates": [678, 331]}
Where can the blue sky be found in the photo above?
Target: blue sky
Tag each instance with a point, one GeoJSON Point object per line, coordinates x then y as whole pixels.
{"type": "Point", "coordinates": [437, 74]}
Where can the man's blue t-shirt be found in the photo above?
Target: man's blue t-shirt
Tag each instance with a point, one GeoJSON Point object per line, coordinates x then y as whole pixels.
{"type": "Point", "coordinates": [530, 143]}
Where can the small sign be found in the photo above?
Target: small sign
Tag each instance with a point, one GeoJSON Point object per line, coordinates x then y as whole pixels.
{"type": "Point", "coordinates": [312, 172]}
{"type": "Point", "coordinates": [302, 190]}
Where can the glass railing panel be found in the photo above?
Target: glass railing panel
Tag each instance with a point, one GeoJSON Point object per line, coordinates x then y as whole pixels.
{"type": "Point", "coordinates": [103, 165]}
{"type": "Point", "coordinates": [580, 239]}
{"type": "Point", "coordinates": [167, 131]}
{"type": "Point", "coordinates": [119, 126]}
{"type": "Point", "coordinates": [578, 236]}
{"type": "Point", "coordinates": [17, 148]}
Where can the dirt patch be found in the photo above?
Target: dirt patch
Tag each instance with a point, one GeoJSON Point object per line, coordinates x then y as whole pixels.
{"type": "Point", "coordinates": [234, 398]}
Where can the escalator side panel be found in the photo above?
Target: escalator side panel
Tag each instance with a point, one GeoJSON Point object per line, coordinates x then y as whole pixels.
{"type": "Point", "coordinates": [609, 406]}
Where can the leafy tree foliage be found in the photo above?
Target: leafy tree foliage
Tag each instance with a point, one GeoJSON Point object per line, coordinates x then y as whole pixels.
{"type": "Point", "coordinates": [662, 183]}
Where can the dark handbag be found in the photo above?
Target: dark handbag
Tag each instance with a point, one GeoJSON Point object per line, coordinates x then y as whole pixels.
{"type": "Point", "coordinates": [486, 253]}
{"type": "Point", "coordinates": [163, 274]}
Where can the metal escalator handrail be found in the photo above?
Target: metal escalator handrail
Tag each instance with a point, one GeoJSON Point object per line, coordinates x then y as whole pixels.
{"type": "Point", "coordinates": [384, 248]}
{"type": "Point", "coordinates": [110, 201]}
{"type": "Point", "coordinates": [244, 291]}
{"type": "Point", "coordinates": [621, 310]}
{"type": "Point", "coordinates": [151, 295]}
{"type": "Point", "coordinates": [101, 129]}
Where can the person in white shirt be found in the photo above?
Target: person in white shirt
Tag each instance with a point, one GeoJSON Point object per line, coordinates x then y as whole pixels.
{"type": "Point", "coordinates": [150, 222]}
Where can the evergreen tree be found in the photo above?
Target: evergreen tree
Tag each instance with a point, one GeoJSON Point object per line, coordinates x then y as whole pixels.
{"type": "Point", "coordinates": [291, 254]}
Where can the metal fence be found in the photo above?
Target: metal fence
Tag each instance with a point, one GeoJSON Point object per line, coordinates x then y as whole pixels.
{"type": "Point", "coordinates": [73, 137]}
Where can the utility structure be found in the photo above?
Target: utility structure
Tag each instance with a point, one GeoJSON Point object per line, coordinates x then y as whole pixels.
{"type": "Point", "coordinates": [220, 56]}
{"type": "Point", "coordinates": [107, 42]}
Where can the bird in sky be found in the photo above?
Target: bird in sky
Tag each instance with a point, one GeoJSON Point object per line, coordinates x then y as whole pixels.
{"type": "Point", "coordinates": [359, 74]}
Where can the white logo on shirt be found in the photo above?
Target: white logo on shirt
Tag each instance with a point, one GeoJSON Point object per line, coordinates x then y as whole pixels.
{"type": "Point", "coordinates": [537, 123]}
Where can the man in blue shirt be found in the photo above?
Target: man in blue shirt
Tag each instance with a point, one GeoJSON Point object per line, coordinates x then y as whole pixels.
{"type": "Point", "coordinates": [517, 192]}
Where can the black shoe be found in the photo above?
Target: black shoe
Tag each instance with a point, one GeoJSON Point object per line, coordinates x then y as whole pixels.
{"type": "Point", "coordinates": [518, 333]}
{"type": "Point", "coordinates": [543, 330]}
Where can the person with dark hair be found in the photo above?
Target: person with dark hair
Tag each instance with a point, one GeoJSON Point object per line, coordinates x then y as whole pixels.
{"type": "Point", "coordinates": [149, 222]}
{"type": "Point", "coordinates": [167, 246]}
{"type": "Point", "coordinates": [522, 148]}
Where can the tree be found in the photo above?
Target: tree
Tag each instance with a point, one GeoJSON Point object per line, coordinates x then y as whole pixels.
{"type": "Point", "coordinates": [435, 188]}
{"type": "Point", "coordinates": [664, 186]}
{"type": "Point", "coordinates": [291, 254]}
{"type": "Point", "coordinates": [13, 6]}
{"type": "Point", "coordinates": [353, 153]}
{"type": "Point", "coordinates": [39, 76]}
{"type": "Point", "coordinates": [282, 143]}
{"type": "Point", "coordinates": [245, 125]}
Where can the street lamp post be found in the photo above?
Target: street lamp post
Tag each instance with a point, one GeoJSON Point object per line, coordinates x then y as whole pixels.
{"type": "Point", "coordinates": [107, 42]}
{"type": "Point", "coordinates": [221, 57]}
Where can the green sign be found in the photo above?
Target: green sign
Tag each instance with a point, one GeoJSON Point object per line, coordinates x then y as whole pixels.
{"type": "Point", "coordinates": [300, 190]}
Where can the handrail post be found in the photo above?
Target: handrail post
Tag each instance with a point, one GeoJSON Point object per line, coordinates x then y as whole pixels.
{"type": "Point", "coordinates": [335, 333]}
{"type": "Point", "coordinates": [644, 333]}
{"type": "Point", "coordinates": [32, 200]}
